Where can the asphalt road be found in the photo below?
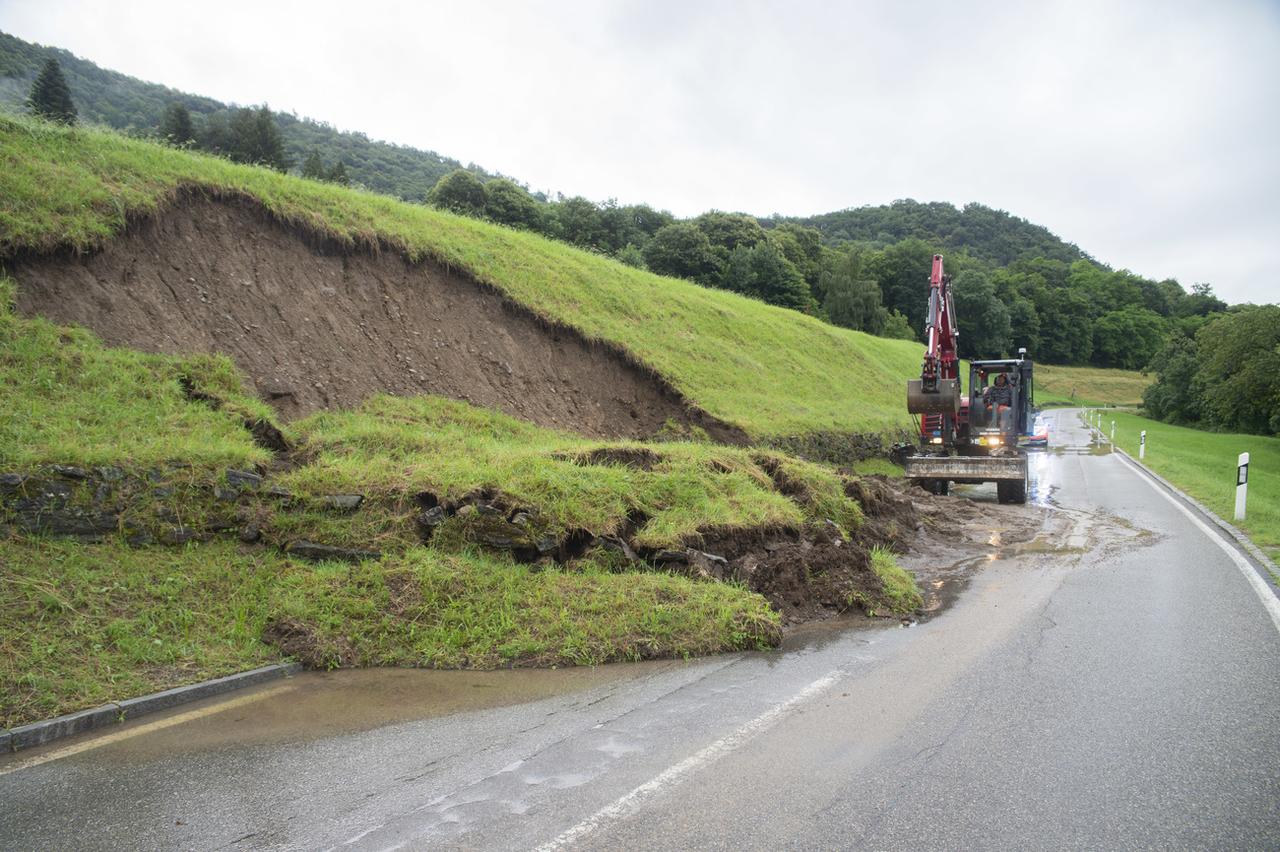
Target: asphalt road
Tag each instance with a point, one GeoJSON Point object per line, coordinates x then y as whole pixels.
{"type": "Point", "coordinates": [1117, 686]}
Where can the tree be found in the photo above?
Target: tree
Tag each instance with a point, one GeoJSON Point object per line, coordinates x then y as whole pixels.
{"type": "Point", "coordinates": [313, 168]}
{"type": "Point", "coordinates": [681, 250]}
{"type": "Point", "coordinates": [460, 191]}
{"type": "Point", "coordinates": [1127, 338]}
{"type": "Point", "coordinates": [985, 328]}
{"type": "Point", "coordinates": [508, 203]}
{"type": "Point", "coordinates": [1170, 397]}
{"type": "Point", "coordinates": [50, 96]}
{"type": "Point", "coordinates": [338, 174]}
{"type": "Point", "coordinates": [775, 280]}
{"type": "Point", "coordinates": [1237, 382]}
{"type": "Point", "coordinates": [727, 231]}
{"type": "Point", "coordinates": [631, 256]}
{"type": "Point", "coordinates": [255, 139]}
{"type": "Point", "coordinates": [850, 299]}
{"type": "Point", "coordinates": [176, 127]}
{"type": "Point", "coordinates": [1066, 328]}
{"type": "Point", "coordinates": [902, 271]}
{"type": "Point", "coordinates": [897, 327]}
{"type": "Point", "coordinates": [581, 223]}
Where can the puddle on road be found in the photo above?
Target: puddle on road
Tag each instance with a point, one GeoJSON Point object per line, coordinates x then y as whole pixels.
{"type": "Point", "coordinates": [314, 705]}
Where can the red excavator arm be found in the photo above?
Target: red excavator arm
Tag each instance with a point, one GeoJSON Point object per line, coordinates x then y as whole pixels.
{"type": "Point", "coordinates": [938, 390]}
{"type": "Point", "coordinates": [941, 360]}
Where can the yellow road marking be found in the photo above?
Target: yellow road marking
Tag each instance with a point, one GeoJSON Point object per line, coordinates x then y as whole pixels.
{"type": "Point", "coordinates": [146, 728]}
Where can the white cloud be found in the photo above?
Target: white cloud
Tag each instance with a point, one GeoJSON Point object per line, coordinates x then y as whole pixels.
{"type": "Point", "coordinates": [1144, 132]}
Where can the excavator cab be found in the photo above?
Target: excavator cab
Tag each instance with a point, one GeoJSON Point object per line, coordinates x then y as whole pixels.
{"type": "Point", "coordinates": [1000, 402]}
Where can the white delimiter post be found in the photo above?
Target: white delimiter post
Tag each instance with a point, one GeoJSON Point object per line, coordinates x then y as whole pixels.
{"type": "Point", "coordinates": [1142, 445]}
{"type": "Point", "coordinates": [1242, 484]}
{"type": "Point", "coordinates": [1113, 431]}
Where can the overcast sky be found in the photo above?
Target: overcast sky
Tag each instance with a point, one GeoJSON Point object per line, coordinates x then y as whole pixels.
{"type": "Point", "coordinates": [1147, 133]}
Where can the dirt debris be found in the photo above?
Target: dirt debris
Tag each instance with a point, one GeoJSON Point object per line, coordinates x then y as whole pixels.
{"type": "Point", "coordinates": [303, 643]}
{"type": "Point", "coordinates": [318, 328]}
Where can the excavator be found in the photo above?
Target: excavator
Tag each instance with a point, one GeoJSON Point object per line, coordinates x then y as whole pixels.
{"type": "Point", "coordinates": [967, 438]}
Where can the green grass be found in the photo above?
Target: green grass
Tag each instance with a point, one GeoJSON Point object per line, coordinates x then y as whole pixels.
{"type": "Point", "coordinates": [69, 399]}
{"type": "Point", "coordinates": [1204, 465]}
{"type": "Point", "coordinates": [771, 371]}
{"type": "Point", "coordinates": [1092, 386]}
{"type": "Point", "coordinates": [86, 624]}
{"type": "Point", "coordinates": [900, 590]}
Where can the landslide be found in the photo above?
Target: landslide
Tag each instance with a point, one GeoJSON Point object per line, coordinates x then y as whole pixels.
{"type": "Point", "coordinates": [316, 326]}
{"type": "Point", "coordinates": [777, 374]}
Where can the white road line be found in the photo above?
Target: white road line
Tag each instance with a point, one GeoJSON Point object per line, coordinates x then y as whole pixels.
{"type": "Point", "coordinates": [681, 771]}
{"type": "Point", "coordinates": [1260, 587]}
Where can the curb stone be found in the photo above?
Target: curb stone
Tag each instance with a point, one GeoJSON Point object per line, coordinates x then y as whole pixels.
{"type": "Point", "coordinates": [39, 733]}
{"type": "Point", "coordinates": [1235, 532]}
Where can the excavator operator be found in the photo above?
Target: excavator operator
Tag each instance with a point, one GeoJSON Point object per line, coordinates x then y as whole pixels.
{"type": "Point", "coordinates": [998, 398]}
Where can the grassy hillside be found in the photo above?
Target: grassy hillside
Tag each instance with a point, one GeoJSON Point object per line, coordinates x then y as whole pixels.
{"type": "Point", "coordinates": [127, 103]}
{"type": "Point", "coordinates": [771, 371]}
{"type": "Point", "coordinates": [1204, 465]}
{"type": "Point", "coordinates": [1092, 386]}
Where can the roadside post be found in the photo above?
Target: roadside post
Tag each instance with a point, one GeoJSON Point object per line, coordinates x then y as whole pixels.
{"type": "Point", "coordinates": [1142, 445]}
{"type": "Point", "coordinates": [1242, 484]}
{"type": "Point", "coordinates": [1113, 431]}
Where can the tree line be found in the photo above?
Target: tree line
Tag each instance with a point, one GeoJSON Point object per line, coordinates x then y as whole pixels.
{"type": "Point", "coordinates": [1221, 375]}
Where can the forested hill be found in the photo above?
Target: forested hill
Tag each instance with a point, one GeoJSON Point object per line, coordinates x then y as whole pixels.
{"type": "Point", "coordinates": [133, 105]}
{"type": "Point", "coordinates": [987, 234]}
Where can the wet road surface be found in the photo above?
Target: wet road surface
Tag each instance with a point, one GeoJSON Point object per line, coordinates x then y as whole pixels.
{"type": "Point", "coordinates": [1112, 682]}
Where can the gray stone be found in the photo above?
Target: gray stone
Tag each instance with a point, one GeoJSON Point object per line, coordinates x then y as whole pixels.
{"type": "Point", "coordinates": [243, 480]}
{"type": "Point", "coordinates": [72, 523]}
{"type": "Point", "coordinates": [343, 502]}
{"type": "Point", "coordinates": [68, 471]}
{"type": "Point", "coordinates": [110, 474]}
{"type": "Point", "coordinates": [250, 534]}
{"type": "Point", "coordinates": [227, 495]}
{"type": "Point", "coordinates": [433, 517]}
{"type": "Point", "coordinates": [669, 556]}
{"type": "Point", "coordinates": [278, 492]}
{"type": "Point", "coordinates": [320, 552]}
{"type": "Point", "coordinates": [178, 535]}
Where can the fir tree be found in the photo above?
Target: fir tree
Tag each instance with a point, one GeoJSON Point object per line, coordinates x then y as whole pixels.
{"type": "Point", "coordinates": [313, 168]}
{"type": "Point", "coordinates": [338, 174]}
{"type": "Point", "coordinates": [175, 126]}
{"type": "Point", "coordinates": [50, 96]}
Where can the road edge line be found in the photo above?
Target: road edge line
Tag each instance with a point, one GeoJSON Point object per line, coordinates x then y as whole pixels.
{"type": "Point", "coordinates": [677, 773]}
{"type": "Point", "coordinates": [117, 712]}
{"type": "Point", "coordinates": [1266, 594]}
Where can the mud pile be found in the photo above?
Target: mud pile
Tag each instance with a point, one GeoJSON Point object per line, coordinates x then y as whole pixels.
{"type": "Point", "coordinates": [318, 328]}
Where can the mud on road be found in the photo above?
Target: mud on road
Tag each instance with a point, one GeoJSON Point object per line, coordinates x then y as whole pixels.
{"type": "Point", "coordinates": [960, 534]}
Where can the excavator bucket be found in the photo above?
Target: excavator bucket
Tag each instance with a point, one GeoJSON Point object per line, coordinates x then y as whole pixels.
{"type": "Point", "coordinates": [966, 468]}
{"type": "Point", "coordinates": [945, 400]}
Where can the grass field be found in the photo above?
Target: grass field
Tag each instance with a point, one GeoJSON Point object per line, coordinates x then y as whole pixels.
{"type": "Point", "coordinates": [1092, 386]}
{"type": "Point", "coordinates": [1204, 465]}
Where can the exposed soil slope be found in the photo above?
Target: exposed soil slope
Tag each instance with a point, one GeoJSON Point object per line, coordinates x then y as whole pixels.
{"type": "Point", "coordinates": [317, 329]}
